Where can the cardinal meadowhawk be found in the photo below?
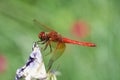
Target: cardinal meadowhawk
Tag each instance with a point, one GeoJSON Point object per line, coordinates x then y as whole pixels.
{"type": "Point", "coordinates": [52, 36]}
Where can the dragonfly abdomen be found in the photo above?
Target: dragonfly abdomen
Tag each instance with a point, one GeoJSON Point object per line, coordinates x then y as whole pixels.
{"type": "Point", "coordinates": [89, 44]}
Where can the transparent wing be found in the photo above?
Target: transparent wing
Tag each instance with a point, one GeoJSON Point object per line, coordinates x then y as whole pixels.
{"type": "Point", "coordinates": [43, 27]}
{"type": "Point", "coordinates": [56, 54]}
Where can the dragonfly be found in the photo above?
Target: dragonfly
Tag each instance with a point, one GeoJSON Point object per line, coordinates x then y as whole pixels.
{"type": "Point", "coordinates": [53, 36]}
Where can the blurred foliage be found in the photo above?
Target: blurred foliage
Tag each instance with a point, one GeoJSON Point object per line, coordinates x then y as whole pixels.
{"type": "Point", "coordinates": [17, 33]}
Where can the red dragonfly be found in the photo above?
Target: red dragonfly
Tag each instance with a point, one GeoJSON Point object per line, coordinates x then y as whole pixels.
{"type": "Point", "coordinates": [48, 37]}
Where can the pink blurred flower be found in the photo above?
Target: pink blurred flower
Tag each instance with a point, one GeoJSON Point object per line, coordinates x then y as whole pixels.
{"type": "Point", "coordinates": [3, 63]}
{"type": "Point", "coordinates": [80, 29]}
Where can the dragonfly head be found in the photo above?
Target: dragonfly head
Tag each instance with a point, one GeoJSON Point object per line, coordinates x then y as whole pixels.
{"type": "Point", "coordinates": [42, 36]}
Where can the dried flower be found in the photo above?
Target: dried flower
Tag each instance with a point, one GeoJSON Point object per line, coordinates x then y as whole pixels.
{"type": "Point", "coordinates": [34, 68]}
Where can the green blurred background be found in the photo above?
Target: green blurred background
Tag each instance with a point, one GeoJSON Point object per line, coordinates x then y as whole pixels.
{"type": "Point", "coordinates": [18, 32]}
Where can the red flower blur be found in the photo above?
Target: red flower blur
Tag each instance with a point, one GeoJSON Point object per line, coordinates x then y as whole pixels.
{"type": "Point", "coordinates": [80, 29]}
{"type": "Point", "coordinates": [3, 63]}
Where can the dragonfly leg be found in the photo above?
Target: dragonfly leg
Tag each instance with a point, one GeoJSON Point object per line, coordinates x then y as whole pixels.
{"type": "Point", "coordinates": [42, 42]}
{"type": "Point", "coordinates": [48, 44]}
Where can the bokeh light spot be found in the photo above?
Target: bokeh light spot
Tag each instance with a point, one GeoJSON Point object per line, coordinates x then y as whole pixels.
{"type": "Point", "coordinates": [3, 63]}
{"type": "Point", "coordinates": [80, 29]}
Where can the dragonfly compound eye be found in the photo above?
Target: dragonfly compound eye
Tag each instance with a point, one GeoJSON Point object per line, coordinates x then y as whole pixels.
{"type": "Point", "coordinates": [42, 36]}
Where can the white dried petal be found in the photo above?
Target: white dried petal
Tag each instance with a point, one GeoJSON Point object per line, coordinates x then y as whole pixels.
{"type": "Point", "coordinates": [34, 68]}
